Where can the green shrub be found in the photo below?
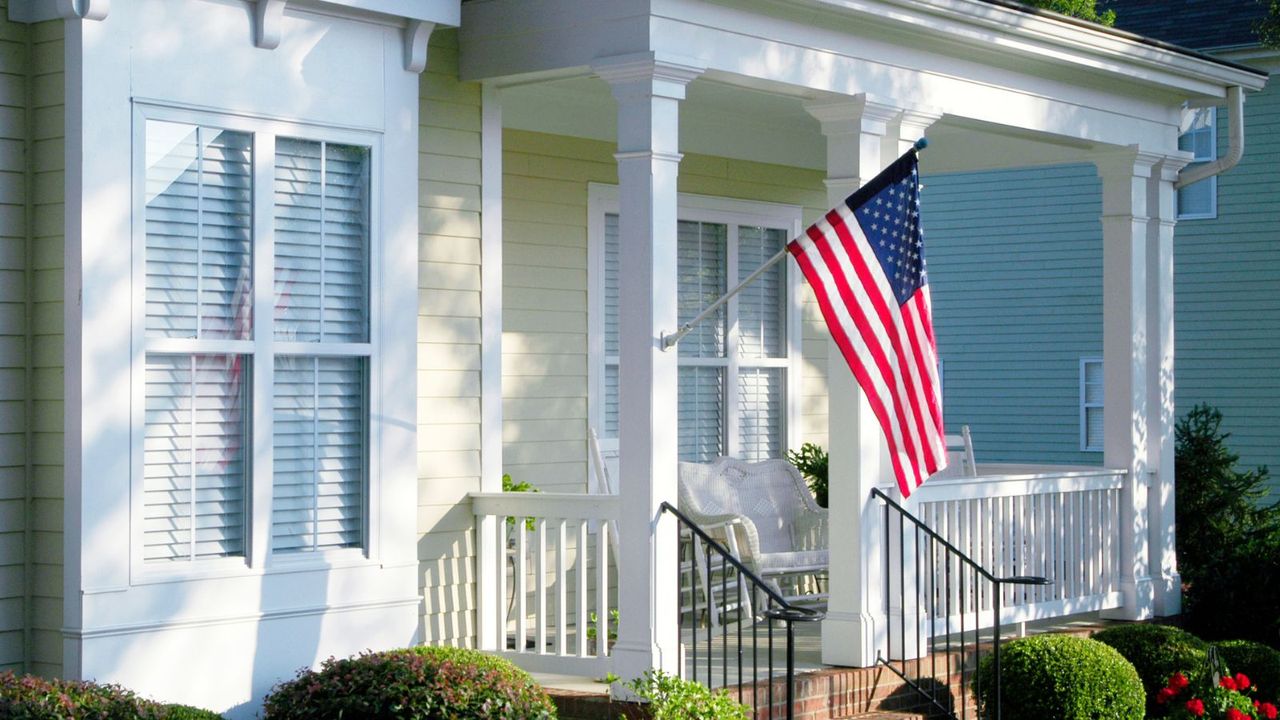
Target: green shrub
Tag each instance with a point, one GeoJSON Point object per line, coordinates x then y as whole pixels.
{"type": "Point", "coordinates": [420, 682]}
{"type": "Point", "coordinates": [671, 698]}
{"type": "Point", "coordinates": [1157, 652]}
{"type": "Point", "coordinates": [1228, 541]}
{"type": "Point", "coordinates": [1259, 662]}
{"type": "Point", "coordinates": [29, 697]}
{"type": "Point", "coordinates": [1060, 677]}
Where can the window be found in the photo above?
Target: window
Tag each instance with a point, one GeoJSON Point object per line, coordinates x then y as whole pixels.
{"type": "Point", "coordinates": [1091, 404]}
{"type": "Point", "coordinates": [256, 328]}
{"type": "Point", "coordinates": [737, 384]}
{"type": "Point", "coordinates": [1199, 137]}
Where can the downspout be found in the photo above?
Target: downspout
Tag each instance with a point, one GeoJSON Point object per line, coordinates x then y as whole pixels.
{"type": "Point", "coordinates": [1235, 144]}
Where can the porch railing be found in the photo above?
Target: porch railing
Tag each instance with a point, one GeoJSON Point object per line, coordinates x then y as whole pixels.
{"type": "Point", "coordinates": [1063, 525]}
{"type": "Point", "coordinates": [930, 581]}
{"type": "Point", "coordinates": [553, 586]}
{"type": "Point", "coordinates": [749, 608]}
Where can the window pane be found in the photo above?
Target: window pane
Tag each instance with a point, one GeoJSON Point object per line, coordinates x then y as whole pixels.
{"type": "Point", "coordinates": [611, 285]}
{"type": "Point", "coordinates": [611, 400]}
{"type": "Point", "coordinates": [1093, 430]}
{"type": "Point", "coordinates": [701, 262]}
{"type": "Point", "coordinates": [319, 461]}
{"type": "Point", "coordinates": [322, 241]}
{"type": "Point", "coordinates": [762, 317]}
{"type": "Point", "coordinates": [1197, 200]}
{"type": "Point", "coordinates": [1093, 383]}
{"type": "Point", "coordinates": [760, 408]}
{"type": "Point", "coordinates": [701, 418]}
{"type": "Point", "coordinates": [194, 457]}
{"type": "Point", "coordinates": [198, 225]}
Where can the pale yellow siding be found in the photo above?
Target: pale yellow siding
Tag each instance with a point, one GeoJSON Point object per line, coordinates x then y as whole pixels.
{"type": "Point", "coordinates": [14, 41]}
{"type": "Point", "coordinates": [545, 287]}
{"type": "Point", "coordinates": [448, 344]}
{"type": "Point", "coordinates": [47, 157]}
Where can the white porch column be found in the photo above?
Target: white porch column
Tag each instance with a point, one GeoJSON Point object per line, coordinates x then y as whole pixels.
{"type": "Point", "coordinates": [1127, 345]}
{"type": "Point", "coordinates": [648, 92]}
{"type": "Point", "coordinates": [1162, 416]}
{"type": "Point", "coordinates": [863, 136]}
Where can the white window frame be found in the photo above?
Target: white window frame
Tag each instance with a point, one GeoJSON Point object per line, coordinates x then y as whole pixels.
{"type": "Point", "coordinates": [1085, 406]}
{"type": "Point", "coordinates": [602, 200]}
{"type": "Point", "coordinates": [1211, 183]}
{"type": "Point", "coordinates": [261, 349]}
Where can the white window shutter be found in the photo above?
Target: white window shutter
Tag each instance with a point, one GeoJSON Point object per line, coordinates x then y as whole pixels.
{"type": "Point", "coordinates": [319, 460]}
{"type": "Point", "coordinates": [194, 457]}
{"type": "Point", "coordinates": [198, 232]}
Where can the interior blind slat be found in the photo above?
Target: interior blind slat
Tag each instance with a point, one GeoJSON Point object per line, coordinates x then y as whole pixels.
{"type": "Point", "coordinates": [701, 416]}
{"type": "Point", "coordinates": [701, 275]}
{"type": "Point", "coordinates": [760, 401]}
{"type": "Point", "coordinates": [611, 251]}
{"type": "Point", "coordinates": [319, 460]}
{"type": "Point", "coordinates": [194, 457]}
{"type": "Point", "coordinates": [762, 304]}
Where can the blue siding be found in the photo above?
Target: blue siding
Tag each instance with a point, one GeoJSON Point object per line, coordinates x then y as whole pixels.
{"type": "Point", "coordinates": [1227, 304]}
{"type": "Point", "coordinates": [1015, 268]}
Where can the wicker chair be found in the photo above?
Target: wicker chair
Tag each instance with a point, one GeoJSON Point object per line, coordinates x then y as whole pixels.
{"type": "Point", "coordinates": [767, 517]}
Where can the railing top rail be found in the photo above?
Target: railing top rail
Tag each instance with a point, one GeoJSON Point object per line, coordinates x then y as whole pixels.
{"type": "Point", "coordinates": [920, 526]}
{"type": "Point", "coordinates": [985, 486]}
{"type": "Point", "coordinates": [785, 609]}
{"type": "Point", "coordinates": [563, 506]}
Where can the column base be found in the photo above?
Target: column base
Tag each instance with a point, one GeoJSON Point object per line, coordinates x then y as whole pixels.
{"type": "Point", "coordinates": [1168, 595]}
{"type": "Point", "coordinates": [852, 639]}
{"type": "Point", "coordinates": [1139, 601]}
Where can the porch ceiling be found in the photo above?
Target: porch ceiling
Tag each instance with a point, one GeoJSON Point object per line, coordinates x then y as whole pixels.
{"type": "Point", "coordinates": [984, 66]}
{"type": "Point", "coordinates": [728, 120]}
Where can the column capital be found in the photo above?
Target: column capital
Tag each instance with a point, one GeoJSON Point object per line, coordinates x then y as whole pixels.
{"type": "Point", "coordinates": [645, 74]}
{"type": "Point", "coordinates": [861, 113]}
{"type": "Point", "coordinates": [1127, 162]}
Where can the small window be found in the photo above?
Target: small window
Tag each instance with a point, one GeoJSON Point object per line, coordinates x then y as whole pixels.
{"type": "Point", "coordinates": [1091, 405]}
{"type": "Point", "coordinates": [1199, 137]}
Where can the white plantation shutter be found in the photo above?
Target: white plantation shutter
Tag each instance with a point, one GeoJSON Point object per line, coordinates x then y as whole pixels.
{"type": "Point", "coordinates": [198, 225]}
{"type": "Point", "coordinates": [701, 410]}
{"type": "Point", "coordinates": [760, 413]}
{"type": "Point", "coordinates": [194, 457]}
{"type": "Point", "coordinates": [319, 461]}
{"type": "Point", "coordinates": [701, 261]}
{"type": "Point", "coordinates": [322, 227]}
{"type": "Point", "coordinates": [762, 326]}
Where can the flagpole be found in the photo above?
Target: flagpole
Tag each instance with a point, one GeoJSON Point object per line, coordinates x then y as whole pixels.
{"type": "Point", "coordinates": [669, 341]}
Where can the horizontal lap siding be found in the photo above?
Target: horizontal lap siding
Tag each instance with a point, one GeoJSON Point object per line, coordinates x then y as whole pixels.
{"type": "Point", "coordinates": [1227, 337]}
{"type": "Point", "coordinates": [47, 346]}
{"type": "Point", "coordinates": [545, 292]}
{"type": "Point", "coordinates": [1015, 269]}
{"type": "Point", "coordinates": [448, 344]}
{"type": "Point", "coordinates": [13, 340]}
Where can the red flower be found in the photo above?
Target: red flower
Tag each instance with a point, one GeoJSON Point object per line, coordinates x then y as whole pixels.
{"type": "Point", "coordinates": [1242, 682]}
{"type": "Point", "coordinates": [1177, 681]}
{"type": "Point", "coordinates": [1195, 707]}
{"type": "Point", "coordinates": [1228, 682]}
{"type": "Point", "coordinates": [1268, 711]}
{"type": "Point", "coordinates": [1165, 695]}
{"type": "Point", "coordinates": [1234, 714]}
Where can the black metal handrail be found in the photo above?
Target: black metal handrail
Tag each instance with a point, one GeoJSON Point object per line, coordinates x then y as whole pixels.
{"type": "Point", "coordinates": [928, 545]}
{"type": "Point", "coordinates": [747, 585]}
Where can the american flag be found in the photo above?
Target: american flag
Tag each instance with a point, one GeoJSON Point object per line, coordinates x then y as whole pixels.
{"type": "Point", "coordinates": [865, 262]}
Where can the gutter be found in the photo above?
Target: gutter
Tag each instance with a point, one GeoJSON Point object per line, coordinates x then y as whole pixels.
{"type": "Point", "coordinates": [1235, 144]}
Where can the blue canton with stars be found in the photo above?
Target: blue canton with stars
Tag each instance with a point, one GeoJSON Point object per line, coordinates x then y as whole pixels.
{"type": "Point", "coordinates": [888, 210]}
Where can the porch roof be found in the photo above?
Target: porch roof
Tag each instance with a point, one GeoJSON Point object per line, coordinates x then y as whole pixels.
{"type": "Point", "coordinates": [988, 65]}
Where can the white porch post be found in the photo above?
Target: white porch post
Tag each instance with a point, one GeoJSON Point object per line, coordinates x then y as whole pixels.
{"type": "Point", "coordinates": [863, 136]}
{"type": "Point", "coordinates": [1126, 349]}
{"type": "Point", "coordinates": [648, 92]}
{"type": "Point", "coordinates": [1162, 208]}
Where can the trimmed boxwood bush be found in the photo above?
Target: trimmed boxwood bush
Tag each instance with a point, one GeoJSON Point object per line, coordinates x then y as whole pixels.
{"type": "Point", "coordinates": [673, 698]}
{"type": "Point", "coordinates": [1157, 652]}
{"type": "Point", "coordinates": [423, 683]}
{"type": "Point", "coordinates": [1260, 662]}
{"type": "Point", "coordinates": [33, 698]}
{"type": "Point", "coordinates": [1060, 677]}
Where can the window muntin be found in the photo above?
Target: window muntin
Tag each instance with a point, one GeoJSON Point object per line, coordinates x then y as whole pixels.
{"type": "Point", "coordinates": [1092, 433]}
{"type": "Point", "coordinates": [735, 375]}
{"type": "Point", "coordinates": [1199, 136]}
{"type": "Point", "coordinates": [202, 340]}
